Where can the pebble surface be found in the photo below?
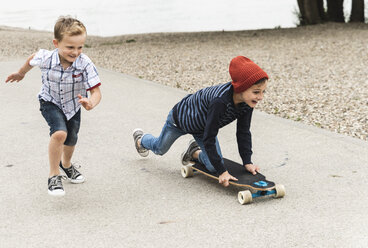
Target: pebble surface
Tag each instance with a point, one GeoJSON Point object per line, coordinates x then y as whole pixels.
{"type": "Point", "coordinates": [318, 74]}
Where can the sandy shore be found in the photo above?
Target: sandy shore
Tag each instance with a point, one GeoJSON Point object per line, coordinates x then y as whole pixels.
{"type": "Point", "coordinates": [318, 74]}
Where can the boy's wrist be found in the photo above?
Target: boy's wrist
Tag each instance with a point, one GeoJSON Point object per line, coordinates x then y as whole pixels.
{"type": "Point", "coordinates": [24, 69]}
{"type": "Point", "coordinates": [22, 73]}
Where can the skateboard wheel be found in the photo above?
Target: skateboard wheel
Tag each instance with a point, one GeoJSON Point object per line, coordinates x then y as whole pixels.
{"type": "Point", "coordinates": [244, 197]}
{"type": "Point", "coordinates": [280, 191]}
{"type": "Point", "coordinates": [186, 171]}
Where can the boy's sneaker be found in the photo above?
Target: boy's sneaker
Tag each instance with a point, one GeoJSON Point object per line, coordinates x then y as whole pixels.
{"type": "Point", "coordinates": [72, 174]}
{"type": "Point", "coordinates": [56, 186]}
{"type": "Point", "coordinates": [187, 156]}
{"type": "Point", "coordinates": [137, 135]}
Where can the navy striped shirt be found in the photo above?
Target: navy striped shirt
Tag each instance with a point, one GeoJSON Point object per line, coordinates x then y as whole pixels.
{"type": "Point", "coordinates": [206, 111]}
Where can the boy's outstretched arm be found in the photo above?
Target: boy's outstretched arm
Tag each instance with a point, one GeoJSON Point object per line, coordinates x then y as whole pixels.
{"type": "Point", "coordinates": [19, 75]}
{"type": "Point", "coordinates": [90, 103]}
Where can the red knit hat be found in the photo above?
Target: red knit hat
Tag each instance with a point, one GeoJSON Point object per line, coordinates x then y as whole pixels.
{"type": "Point", "coordinates": [244, 73]}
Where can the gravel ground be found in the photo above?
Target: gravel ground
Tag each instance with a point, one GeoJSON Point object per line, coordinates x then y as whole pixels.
{"type": "Point", "coordinates": [318, 74]}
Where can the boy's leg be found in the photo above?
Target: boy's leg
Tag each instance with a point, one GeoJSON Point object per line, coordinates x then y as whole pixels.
{"type": "Point", "coordinates": [67, 156]}
{"type": "Point", "coordinates": [56, 144]}
{"type": "Point", "coordinates": [202, 156]}
{"type": "Point", "coordinates": [72, 126]}
{"type": "Point", "coordinates": [160, 145]}
{"type": "Point", "coordinates": [66, 166]}
{"type": "Point", "coordinates": [58, 134]}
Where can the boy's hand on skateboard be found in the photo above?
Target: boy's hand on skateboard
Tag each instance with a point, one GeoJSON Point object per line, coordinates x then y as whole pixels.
{"type": "Point", "coordinates": [252, 168]}
{"type": "Point", "coordinates": [86, 103]}
{"type": "Point", "coordinates": [225, 177]}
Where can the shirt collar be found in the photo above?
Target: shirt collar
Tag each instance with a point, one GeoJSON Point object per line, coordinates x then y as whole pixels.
{"type": "Point", "coordinates": [230, 95]}
{"type": "Point", "coordinates": [55, 58]}
{"type": "Point", "coordinates": [77, 64]}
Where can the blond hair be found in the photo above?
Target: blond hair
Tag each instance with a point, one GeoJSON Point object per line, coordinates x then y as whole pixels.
{"type": "Point", "coordinates": [67, 25]}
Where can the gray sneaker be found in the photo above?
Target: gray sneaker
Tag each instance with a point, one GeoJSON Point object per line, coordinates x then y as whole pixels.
{"type": "Point", "coordinates": [73, 174]}
{"type": "Point", "coordinates": [187, 155]}
{"type": "Point", "coordinates": [55, 186]}
{"type": "Point", "coordinates": [137, 135]}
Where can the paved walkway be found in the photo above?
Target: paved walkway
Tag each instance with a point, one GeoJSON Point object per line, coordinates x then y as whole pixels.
{"type": "Point", "coordinates": [129, 201]}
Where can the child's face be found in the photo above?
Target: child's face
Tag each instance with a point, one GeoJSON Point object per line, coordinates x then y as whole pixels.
{"type": "Point", "coordinates": [253, 94]}
{"type": "Point", "coordinates": [70, 47]}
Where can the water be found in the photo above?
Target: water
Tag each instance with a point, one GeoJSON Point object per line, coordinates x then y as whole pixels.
{"type": "Point", "coordinates": [116, 17]}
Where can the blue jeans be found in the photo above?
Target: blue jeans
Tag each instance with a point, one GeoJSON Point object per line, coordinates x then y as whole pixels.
{"type": "Point", "coordinates": [57, 121]}
{"type": "Point", "coordinates": [170, 132]}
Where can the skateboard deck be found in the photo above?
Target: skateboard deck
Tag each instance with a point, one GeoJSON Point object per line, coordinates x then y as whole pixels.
{"type": "Point", "coordinates": [256, 185]}
{"type": "Point", "coordinates": [245, 178]}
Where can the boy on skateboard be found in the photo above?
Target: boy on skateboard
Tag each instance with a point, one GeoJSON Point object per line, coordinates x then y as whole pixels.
{"type": "Point", "coordinates": [67, 75]}
{"type": "Point", "coordinates": [203, 113]}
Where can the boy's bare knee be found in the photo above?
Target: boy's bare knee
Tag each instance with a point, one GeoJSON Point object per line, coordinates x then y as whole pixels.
{"type": "Point", "coordinates": [59, 136]}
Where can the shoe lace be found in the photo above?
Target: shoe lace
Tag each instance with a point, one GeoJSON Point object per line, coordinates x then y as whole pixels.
{"type": "Point", "coordinates": [56, 181]}
{"type": "Point", "coordinates": [76, 165]}
{"type": "Point", "coordinates": [73, 169]}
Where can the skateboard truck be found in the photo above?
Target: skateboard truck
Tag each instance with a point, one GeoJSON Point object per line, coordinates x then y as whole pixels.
{"type": "Point", "coordinates": [247, 196]}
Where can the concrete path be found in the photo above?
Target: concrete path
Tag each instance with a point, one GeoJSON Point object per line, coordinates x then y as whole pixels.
{"type": "Point", "coordinates": [129, 201]}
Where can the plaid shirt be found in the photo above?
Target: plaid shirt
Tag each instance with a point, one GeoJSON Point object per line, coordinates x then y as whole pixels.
{"type": "Point", "coordinates": [62, 87]}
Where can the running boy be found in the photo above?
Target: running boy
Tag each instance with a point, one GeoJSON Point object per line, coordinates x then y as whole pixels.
{"type": "Point", "coordinates": [67, 75]}
{"type": "Point", "coordinates": [203, 113]}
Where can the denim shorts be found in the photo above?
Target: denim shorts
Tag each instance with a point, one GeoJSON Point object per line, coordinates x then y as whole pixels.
{"type": "Point", "coordinates": [57, 121]}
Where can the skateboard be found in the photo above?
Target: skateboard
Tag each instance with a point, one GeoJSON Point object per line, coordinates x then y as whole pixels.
{"type": "Point", "coordinates": [255, 185]}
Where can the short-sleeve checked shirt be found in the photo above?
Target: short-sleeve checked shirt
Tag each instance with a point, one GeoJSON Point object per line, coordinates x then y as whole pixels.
{"type": "Point", "coordinates": [62, 87]}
